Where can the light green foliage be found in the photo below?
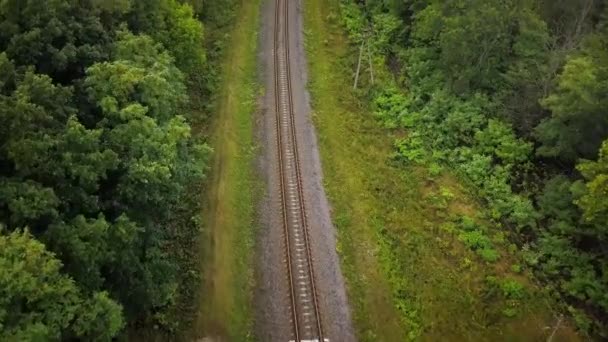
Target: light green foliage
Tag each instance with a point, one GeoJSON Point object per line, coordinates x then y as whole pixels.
{"type": "Point", "coordinates": [172, 24]}
{"type": "Point", "coordinates": [411, 148]}
{"type": "Point", "coordinates": [28, 201]}
{"type": "Point", "coordinates": [519, 211]}
{"type": "Point", "coordinates": [56, 308]}
{"type": "Point", "coordinates": [385, 29]}
{"type": "Point", "coordinates": [353, 21]}
{"type": "Point", "coordinates": [142, 70]}
{"type": "Point", "coordinates": [139, 95]}
{"type": "Point", "coordinates": [581, 319]}
{"type": "Point", "coordinates": [594, 201]}
{"type": "Point", "coordinates": [460, 122]}
{"type": "Point", "coordinates": [577, 125]}
{"type": "Point", "coordinates": [441, 199]}
{"type": "Point", "coordinates": [391, 106]}
{"type": "Point", "coordinates": [475, 239]}
{"type": "Point", "coordinates": [509, 312]}
{"type": "Point", "coordinates": [512, 289]}
{"type": "Point", "coordinates": [489, 254]}
{"type": "Point", "coordinates": [473, 236]}
{"type": "Point", "coordinates": [499, 139]}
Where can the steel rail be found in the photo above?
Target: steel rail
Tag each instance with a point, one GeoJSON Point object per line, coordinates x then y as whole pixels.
{"type": "Point", "coordinates": [281, 172]}
{"type": "Point", "coordinates": [278, 73]}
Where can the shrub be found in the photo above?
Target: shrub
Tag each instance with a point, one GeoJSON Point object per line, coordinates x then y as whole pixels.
{"type": "Point", "coordinates": [488, 254]}
{"type": "Point", "coordinates": [466, 223]}
{"type": "Point", "coordinates": [512, 289]}
{"type": "Point", "coordinates": [475, 239]}
{"type": "Point", "coordinates": [498, 139]}
{"type": "Point", "coordinates": [435, 169]}
{"type": "Point", "coordinates": [411, 149]}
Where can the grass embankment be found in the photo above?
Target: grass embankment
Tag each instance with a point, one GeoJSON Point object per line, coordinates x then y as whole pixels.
{"type": "Point", "coordinates": [228, 234]}
{"type": "Point", "coordinates": [407, 278]}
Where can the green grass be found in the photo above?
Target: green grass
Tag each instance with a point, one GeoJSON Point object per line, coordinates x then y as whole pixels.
{"type": "Point", "coordinates": [409, 276]}
{"type": "Point", "coordinates": [228, 234]}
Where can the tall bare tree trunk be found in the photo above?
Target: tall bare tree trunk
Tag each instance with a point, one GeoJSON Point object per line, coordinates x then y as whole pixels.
{"type": "Point", "coordinates": [371, 67]}
{"type": "Point", "coordinates": [358, 66]}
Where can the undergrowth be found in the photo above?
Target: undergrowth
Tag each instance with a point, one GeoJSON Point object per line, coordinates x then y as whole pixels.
{"type": "Point", "coordinates": [421, 257]}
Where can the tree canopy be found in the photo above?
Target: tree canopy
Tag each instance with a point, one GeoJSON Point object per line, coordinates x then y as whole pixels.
{"type": "Point", "coordinates": [96, 150]}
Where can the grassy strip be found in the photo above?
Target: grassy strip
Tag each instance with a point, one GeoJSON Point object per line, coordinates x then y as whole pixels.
{"type": "Point", "coordinates": [346, 154]}
{"type": "Point", "coordinates": [228, 234]}
{"type": "Point", "coordinates": [409, 276]}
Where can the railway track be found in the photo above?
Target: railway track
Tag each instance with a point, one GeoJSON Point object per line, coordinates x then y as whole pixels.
{"type": "Point", "coordinates": [305, 315]}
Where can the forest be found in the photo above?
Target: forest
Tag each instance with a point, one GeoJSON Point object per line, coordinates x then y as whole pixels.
{"type": "Point", "coordinates": [510, 96]}
{"type": "Point", "coordinates": [102, 121]}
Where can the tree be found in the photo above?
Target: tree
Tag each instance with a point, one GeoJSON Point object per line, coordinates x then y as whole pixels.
{"type": "Point", "coordinates": [59, 38]}
{"type": "Point", "coordinates": [38, 302]}
{"type": "Point", "coordinates": [527, 75]}
{"type": "Point", "coordinates": [172, 24]}
{"type": "Point", "coordinates": [95, 152]}
{"type": "Point", "coordinates": [594, 201]}
{"type": "Point", "coordinates": [471, 40]}
{"type": "Point", "coordinates": [139, 95]}
{"type": "Point", "coordinates": [578, 123]}
{"type": "Point", "coordinates": [52, 158]}
{"type": "Point", "coordinates": [499, 139]}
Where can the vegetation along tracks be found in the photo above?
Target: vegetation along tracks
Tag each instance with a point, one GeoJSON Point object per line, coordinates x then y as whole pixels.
{"type": "Point", "coordinates": [306, 318]}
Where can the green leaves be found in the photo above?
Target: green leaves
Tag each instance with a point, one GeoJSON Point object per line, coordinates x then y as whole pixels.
{"type": "Point", "coordinates": [60, 38]}
{"type": "Point", "coordinates": [578, 122]}
{"type": "Point", "coordinates": [37, 302]}
{"type": "Point", "coordinates": [94, 153]}
{"type": "Point", "coordinates": [471, 41]}
{"type": "Point", "coordinates": [594, 201]}
{"type": "Point", "coordinates": [172, 24]}
{"type": "Point", "coordinates": [498, 139]}
{"type": "Point", "coordinates": [508, 95]}
{"type": "Point", "coordinates": [28, 201]}
{"type": "Point", "coordinates": [140, 96]}
{"type": "Point", "coordinates": [143, 75]}
{"type": "Point", "coordinates": [391, 107]}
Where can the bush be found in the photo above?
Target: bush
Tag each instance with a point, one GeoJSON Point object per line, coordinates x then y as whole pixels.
{"type": "Point", "coordinates": [467, 224]}
{"type": "Point", "coordinates": [498, 139]}
{"type": "Point", "coordinates": [411, 149]}
{"type": "Point", "coordinates": [475, 239]}
{"type": "Point", "coordinates": [390, 106]}
{"type": "Point", "coordinates": [512, 289]}
{"type": "Point", "coordinates": [488, 254]}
